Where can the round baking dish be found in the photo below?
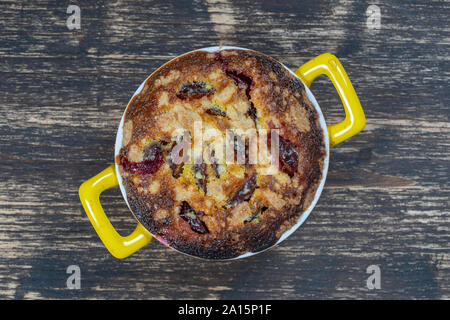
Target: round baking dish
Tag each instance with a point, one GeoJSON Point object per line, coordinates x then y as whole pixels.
{"type": "Point", "coordinates": [354, 122]}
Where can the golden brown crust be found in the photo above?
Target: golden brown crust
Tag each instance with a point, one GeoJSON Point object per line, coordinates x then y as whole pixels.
{"type": "Point", "coordinates": [220, 211]}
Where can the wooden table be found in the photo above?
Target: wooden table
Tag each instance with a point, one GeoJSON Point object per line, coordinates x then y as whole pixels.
{"type": "Point", "coordinates": [386, 200]}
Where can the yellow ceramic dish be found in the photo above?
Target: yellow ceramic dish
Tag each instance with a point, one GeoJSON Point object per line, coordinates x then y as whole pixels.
{"type": "Point", "coordinates": [326, 64]}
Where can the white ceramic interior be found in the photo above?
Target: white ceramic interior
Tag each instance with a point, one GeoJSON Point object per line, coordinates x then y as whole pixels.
{"type": "Point", "coordinates": [323, 125]}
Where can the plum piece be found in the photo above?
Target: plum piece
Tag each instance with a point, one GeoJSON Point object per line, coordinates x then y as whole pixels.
{"type": "Point", "coordinates": [153, 151]}
{"type": "Point", "coordinates": [201, 175]}
{"type": "Point", "coordinates": [288, 156]}
{"type": "Point", "coordinates": [244, 82]}
{"type": "Point", "coordinates": [216, 111]}
{"type": "Point", "coordinates": [177, 168]}
{"type": "Point", "coordinates": [215, 168]}
{"type": "Point", "coordinates": [252, 113]}
{"type": "Point", "coordinates": [214, 164]}
{"type": "Point", "coordinates": [143, 167]}
{"type": "Point", "coordinates": [240, 79]}
{"type": "Point", "coordinates": [153, 160]}
{"type": "Point", "coordinates": [195, 90]}
{"type": "Point", "coordinates": [188, 214]}
{"type": "Point", "coordinates": [245, 192]}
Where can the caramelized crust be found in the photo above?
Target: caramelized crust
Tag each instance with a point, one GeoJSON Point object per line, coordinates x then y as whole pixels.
{"type": "Point", "coordinates": [219, 210]}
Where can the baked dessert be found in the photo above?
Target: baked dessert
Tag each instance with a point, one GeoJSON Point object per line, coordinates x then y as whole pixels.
{"type": "Point", "coordinates": [201, 203]}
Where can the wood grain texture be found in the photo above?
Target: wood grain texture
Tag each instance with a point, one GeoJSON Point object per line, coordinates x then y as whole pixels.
{"type": "Point", "coordinates": [386, 200]}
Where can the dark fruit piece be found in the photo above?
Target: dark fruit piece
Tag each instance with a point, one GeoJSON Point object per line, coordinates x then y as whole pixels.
{"type": "Point", "coordinates": [196, 89]}
{"type": "Point", "coordinates": [216, 111]}
{"type": "Point", "coordinates": [153, 151]}
{"type": "Point", "coordinates": [240, 79]}
{"type": "Point", "coordinates": [153, 160]}
{"type": "Point", "coordinates": [252, 113]}
{"type": "Point", "coordinates": [201, 175]}
{"type": "Point", "coordinates": [288, 156]}
{"type": "Point", "coordinates": [214, 164]}
{"type": "Point", "coordinates": [215, 167]}
{"type": "Point", "coordinates": [244, 193]}
{"type": "Point", "coordinates": [256, 217]}
{"type": "Point", "coordinates": [143, 167]}
{"type": "Point", "coordinates": [177, 168]}
{"type": "Point", "coordinates": [188, 214]}
{"type": "Point", "coordinates": [241, 150]}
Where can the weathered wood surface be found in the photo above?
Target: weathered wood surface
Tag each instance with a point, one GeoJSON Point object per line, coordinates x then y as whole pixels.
{"type": "Point", "coordinates": [386, 201]}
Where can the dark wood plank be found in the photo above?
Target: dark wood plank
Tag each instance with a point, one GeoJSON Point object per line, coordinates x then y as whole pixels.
{"type": "Point", "coordinates": [386, 201]}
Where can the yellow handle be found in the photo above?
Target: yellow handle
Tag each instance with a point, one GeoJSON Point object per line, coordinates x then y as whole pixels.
{"type": "Point", "coordinates": [354, 120]}
{"type": "Point", "coordinates": [120, 247]}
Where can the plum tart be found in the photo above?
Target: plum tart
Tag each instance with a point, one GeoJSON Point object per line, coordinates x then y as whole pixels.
{"type": "Point", "coordinates": [192, 197]}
